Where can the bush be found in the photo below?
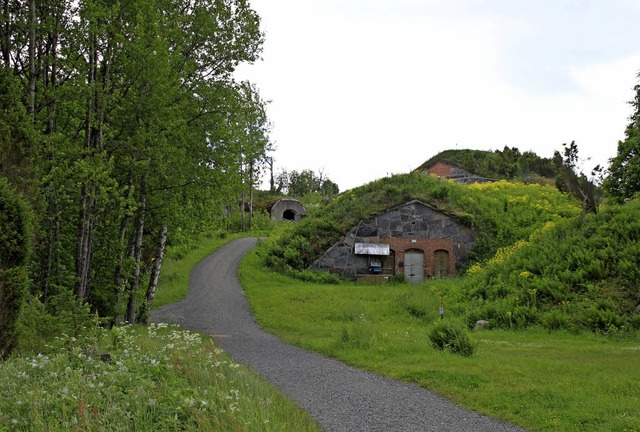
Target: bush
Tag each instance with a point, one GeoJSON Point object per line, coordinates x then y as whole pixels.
{"type": "Point", "coordinates": [14, 252]}
{"type": "Point", "coordinates": [452, 337]}
{"type": "Point", "coordinates": [555, 319]}
{"type": "Point", "coordinates": [41, 325]}
{"type": "Point", "coordinates": [313, 276]}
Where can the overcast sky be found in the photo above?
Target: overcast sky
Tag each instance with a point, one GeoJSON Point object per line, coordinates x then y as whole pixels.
{"type": "Point", "coordinates": [362, 89]}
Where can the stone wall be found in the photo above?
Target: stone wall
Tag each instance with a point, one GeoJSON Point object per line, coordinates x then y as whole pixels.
{"type": "Point", "coordinates": [412, 226]}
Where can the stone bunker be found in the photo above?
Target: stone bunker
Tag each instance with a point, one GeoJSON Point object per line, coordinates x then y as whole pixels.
{"type": "Point", "coordinates": [414, 239]}
{"type": "Point", "coordinates": [287, 209]}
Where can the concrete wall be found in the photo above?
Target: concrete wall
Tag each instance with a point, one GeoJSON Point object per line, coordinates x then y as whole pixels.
{"type": "Point", "coordinates": [412, 226]}
{"type": "Point", "coordinates": [288, 209]}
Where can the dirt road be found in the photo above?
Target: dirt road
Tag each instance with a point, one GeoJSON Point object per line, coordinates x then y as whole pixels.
{"type": "Point", "coordinates": [339, 397]}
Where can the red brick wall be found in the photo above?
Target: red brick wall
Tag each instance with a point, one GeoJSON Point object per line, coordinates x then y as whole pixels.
{"type": "Point", "coordinates": [440, 169]}
{"type": "Point", "coordinates": [427, 246]}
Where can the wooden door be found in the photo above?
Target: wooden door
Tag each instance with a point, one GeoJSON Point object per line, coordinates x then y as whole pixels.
{"type": "Point", "coordinates": [440, 263]}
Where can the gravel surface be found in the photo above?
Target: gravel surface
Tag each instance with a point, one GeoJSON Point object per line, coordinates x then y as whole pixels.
{"type": "Point", "coordinates": [339, 397]}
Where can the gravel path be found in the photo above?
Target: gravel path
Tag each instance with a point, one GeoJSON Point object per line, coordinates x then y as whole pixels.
{"type": "Point", "coordinates": [339, 397]}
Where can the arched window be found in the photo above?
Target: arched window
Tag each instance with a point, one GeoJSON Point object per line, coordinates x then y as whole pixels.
{"type": "Point", "coordinates": [289, 215]}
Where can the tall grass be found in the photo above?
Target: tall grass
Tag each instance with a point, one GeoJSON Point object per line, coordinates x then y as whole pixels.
{"type": "Point", "coordinates": [544, 381]}
{"type": "Point", "coordinates": [143, 379]}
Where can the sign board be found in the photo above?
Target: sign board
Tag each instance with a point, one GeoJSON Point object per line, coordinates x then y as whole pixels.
{"type": "Point", "coordinates": [371, 249]}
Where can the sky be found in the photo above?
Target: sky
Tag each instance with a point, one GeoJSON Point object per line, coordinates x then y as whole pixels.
{"type": "Point", "coordinates": [364, 89]}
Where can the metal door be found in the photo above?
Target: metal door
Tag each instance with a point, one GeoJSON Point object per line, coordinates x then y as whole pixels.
{"type": "Point", "coordinates": [414, 266]}
{"type": "Point", "coordinates": [440, 263]}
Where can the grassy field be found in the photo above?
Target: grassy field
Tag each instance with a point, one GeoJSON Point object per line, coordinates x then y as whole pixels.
{"type": "Point", "coordinates": [538, 380]}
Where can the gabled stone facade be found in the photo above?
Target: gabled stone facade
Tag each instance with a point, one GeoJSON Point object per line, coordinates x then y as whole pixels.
{"type": "Point", "coordinates": [413, 231]}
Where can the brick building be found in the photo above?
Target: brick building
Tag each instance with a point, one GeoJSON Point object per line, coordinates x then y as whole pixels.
{"type": "Point", "coordinates": [414, 239]}
{"type": "Point", "coordinates": [449, 171]}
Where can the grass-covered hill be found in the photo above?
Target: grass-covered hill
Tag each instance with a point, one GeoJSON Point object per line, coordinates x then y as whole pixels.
{"type": "Point", "coordinates": [573, 273]}
{"type": "Point", "coordinates": [507, 163]}
{"type": "Point", "coordinates": [501, 213]}
{"type": "Point", "coordinates": [536, 260]}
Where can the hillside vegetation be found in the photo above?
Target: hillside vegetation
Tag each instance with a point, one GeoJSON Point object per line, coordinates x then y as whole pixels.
{"type": "Point", "coordinates": [572, 273]}
{"type": "Point", "coordinates": [507, 163]}
{"type": "Point", "coordinates": [501, 213]}
{"type": "Point", "coordinates": [536, 261]}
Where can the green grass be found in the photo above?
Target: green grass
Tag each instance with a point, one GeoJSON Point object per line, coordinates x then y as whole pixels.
{"type": "Point", "coordinates": [144, 379]}
{"type": "Point", "coordinates": [538, 380]}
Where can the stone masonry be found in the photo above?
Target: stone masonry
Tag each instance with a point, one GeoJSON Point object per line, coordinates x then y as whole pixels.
{"type": "Point", "coordinates": [414, 226]}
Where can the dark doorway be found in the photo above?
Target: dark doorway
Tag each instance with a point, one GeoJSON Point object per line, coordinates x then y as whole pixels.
{"type": "Point", "coordinates": [389, 263]}
{"type": "Point", "coordinates": [289, 215]}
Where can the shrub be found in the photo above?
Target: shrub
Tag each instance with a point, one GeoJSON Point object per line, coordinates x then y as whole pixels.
{"type": "Point", "coordinates": [313, 276]}
{"type": "Point", "coordinates": [555, 319]}
{"type": "Point", "coordinates": [600, 319]}
{"type": "Point", "coordinates": [14, 252]}
{"type": "Point", "coordinates": [452, 337]}
{"type": "Point", "coordinates": [40, 325]}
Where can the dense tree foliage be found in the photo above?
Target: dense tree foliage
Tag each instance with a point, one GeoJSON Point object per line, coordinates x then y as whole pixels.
{"type": "Point", "coordinates": [123, 125]}
{"type": "Point", "coordinates": [14, 253]}
{"type": "Point", "coordinates": [305, 182]}
{"type": "Point", "coordinates": [572, 180]}
{"type": "Point", "coordinates": [623, 181]}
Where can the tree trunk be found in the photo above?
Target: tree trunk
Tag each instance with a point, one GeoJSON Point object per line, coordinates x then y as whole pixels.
{"type": "Point", "coordinates": [6, 35]}
{"type": "Point", "coordinates": [155, 269]}
{"type": "Point", "coordinates": [134, 282]}
{"type": "Point", "coordinates": [119, 279]}
{"type": "Point", "coordinates": [242, 210]}
{"type": "Point", "coordinates": [272, 182]}
{"type": "Point", "coordinates": [84, 239]}
{"type": "Point", "coordinates": [251, 197]}
{"type": "Point", "coordinates": [52, 78]}
{"type": "Point", "coordinates": [32, 60]}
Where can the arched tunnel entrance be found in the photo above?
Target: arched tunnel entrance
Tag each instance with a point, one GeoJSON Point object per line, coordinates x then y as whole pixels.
{"type": "Point", "coordinates": [287, 209]}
